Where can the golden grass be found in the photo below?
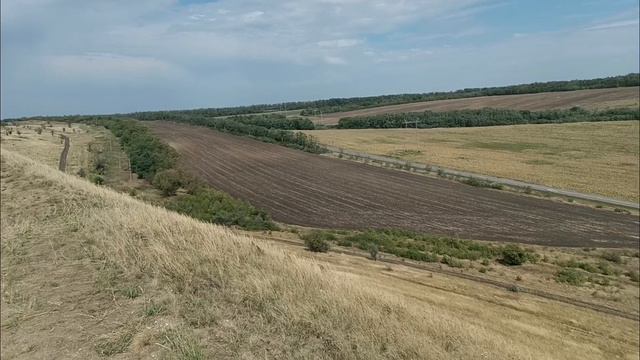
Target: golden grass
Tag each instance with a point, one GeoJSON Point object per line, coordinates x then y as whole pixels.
{"type": "Point", "coordinates": [598, 158]}
{"type": "Point", "coordinates": [236, 297]}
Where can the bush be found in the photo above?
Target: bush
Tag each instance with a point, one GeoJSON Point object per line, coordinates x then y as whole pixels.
{"type": "Point", "coordinates": [633, 275]}
{"type": "Point", "coordinates": [513, 255]}
{"type": "Point", "coordinates": [316, 244]}
{"type": "Point", "coordinates": [100, 165]}
{"type": "Point", "coordinates": [97, 179]}
{"type": "Point", "coordinates": [168, 181]}
{"type": "Point", "coordinates": [319, 235]}
{"type": "Point", "coordinates": [613, 257]}
{"type": "Point", "coordinates": [571, 276]}
{"type": "Point", "coordinates": [81, 172]}
{"type": "Point", "coordinates": [219, 208]}
{"type": "Point", "coordinates": [373, 251]}
{"type": "Point", "coordinates": [451, 261]}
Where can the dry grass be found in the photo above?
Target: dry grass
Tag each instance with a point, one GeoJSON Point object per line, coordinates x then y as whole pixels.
{"type": "Point", "coordinates": [598, 158]}
{"type": "Point", "coordinates": [229, 296]}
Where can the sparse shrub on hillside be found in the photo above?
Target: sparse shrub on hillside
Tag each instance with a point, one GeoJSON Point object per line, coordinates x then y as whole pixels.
{"type": "Point", "coordinates": [633, 275]}
{"type": "Point", "coordinates": [100, 164]}
{"type": "Point", "coordinates": [81, 172]}
{"type": "Point", "coordinates": [319, 235]}
{"type": "Point", "coordinates": [613, 257]}
{"type": "Point", "coordinates": [373, 251]}
{"type": "Point", "coordinates": [168, 181]}
{"type": "Point", "coordinates": [219, 208]}
{"type": "Point", "coordinates": [38, 130]}
{"type": "Point", "coordinates": [513, 255]}
{"type": "Point", "coordinates": [317, 244]}
{"type": "Point", "coordinates": [571, 276]}
{"type": "Point", "coordinates": [452, 262]}
{"type": "Point", "coordinates": [97, 179]}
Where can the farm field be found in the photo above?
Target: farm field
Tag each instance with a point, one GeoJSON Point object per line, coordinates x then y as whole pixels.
{"type": "Point", "coordinates": [310, 190]}
{"type": "Point", "coordinates": [594, 99]}
{"type": "Point", "coordinates": [595, 158]}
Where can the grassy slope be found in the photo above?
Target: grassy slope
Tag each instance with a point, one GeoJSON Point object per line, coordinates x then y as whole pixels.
{"type": "Point", "coordinates": [598, 158]}
{"type": "Point", "coordinates": [87, 271]}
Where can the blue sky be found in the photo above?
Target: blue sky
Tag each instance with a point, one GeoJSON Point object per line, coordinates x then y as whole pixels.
{"type": "Point", "coordinates": [84, 57]}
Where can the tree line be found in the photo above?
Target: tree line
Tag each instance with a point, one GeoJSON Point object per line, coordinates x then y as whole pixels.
{"type": "Point", "coordinates": [271, 128]}
{"type": "Point", "coordinates": [484, 117]}
{"type": "Point", "coordinates": [155, 161]}
{"type": "Point", "coordinates": [348, 104]}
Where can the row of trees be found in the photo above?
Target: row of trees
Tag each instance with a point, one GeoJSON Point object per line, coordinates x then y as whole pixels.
{"type": "Point", "coordinates": [271, 128]}
{"type": "Point", "coordinates": [154, 161]}
{"type": "Point", "coordinates": [347, 104]}
{"type": "Point", "coordinates": [484, 117]}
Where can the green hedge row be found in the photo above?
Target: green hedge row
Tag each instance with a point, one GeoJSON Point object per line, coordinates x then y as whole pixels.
{"type": "Point", "coordinates": [484, 117]}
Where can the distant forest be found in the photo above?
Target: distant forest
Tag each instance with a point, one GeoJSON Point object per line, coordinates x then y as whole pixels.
{"type": "Point", "coordinates": [310, 108]}
{"type": "Point", "coordinates": [484, 117]}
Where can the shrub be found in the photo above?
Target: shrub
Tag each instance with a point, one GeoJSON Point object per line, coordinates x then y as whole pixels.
{"type": "Point", "coordinates": [373, 251]}
{"type": "Point", "coordinates": [451, 261]}
{"type": "Point", "coordinates": [613, 257]}
{"type": "Point", "coordinates": [81, 172]}
{"type": "Point", "coordinates": [633, 275]}
{"type": "Point", "coordinates": [513, 255]}
{"type": "Point", "coordinates": [571, 276]}
{"type": "Point", "coordinates": [97, 179]}
{"type": "Point", "coordinates": [319, 235]}
{"type": "Point", "coordinates": [217, 207]}
{"type": "Point", "coordinates": [316, 244]}
{"type": "Point", "coordinates": [100, 165]}
{"type": "Point", "coordinates": [167, 181]}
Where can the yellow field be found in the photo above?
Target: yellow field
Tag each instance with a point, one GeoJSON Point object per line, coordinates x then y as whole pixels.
{"type": "Point", "coordinates": [598, 158]}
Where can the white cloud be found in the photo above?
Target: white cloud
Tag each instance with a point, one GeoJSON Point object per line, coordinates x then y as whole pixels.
{"type": "Point", "coordinates": [615, 24]}
{"type": "Point", "coordinates": [338, 43]}
{"type": "Point", "coordinates": [106, 66]}
{"type": "Point", "coordinates": [334, 60]}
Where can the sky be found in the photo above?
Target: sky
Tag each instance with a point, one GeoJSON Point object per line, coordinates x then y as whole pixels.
{"type": "Point", "coordinates": [63, 57]}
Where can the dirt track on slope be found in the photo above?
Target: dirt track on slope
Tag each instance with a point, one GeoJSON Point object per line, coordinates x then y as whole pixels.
{"type": "Point", "coordinates": [587, 99]}
{"type": "Point", "coordinates": [62, 166]}
{"type": "Point", "coordinates": [311, 190]}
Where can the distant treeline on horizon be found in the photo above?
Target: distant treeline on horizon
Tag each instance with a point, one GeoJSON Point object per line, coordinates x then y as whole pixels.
{"type": "Point", "coordinates": [315, 107]}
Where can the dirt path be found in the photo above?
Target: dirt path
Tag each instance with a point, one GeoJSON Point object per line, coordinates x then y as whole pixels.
{"type": "Point", "coordinates": [588, 99]}
{"type": "Point", "coordinates": [390, 259]}
{"type": "Point", "coordinates": [62, 166]}
{"type": "Point", "coordinates": [310, 190]}
{"type": "Point", "coordinates": [434, 169]}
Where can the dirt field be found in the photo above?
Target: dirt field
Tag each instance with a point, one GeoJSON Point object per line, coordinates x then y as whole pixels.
{"type": "Point", "coordinates": [310, 190]}
{"type": "Point", "coordinates": [587, 99]}
{"type": "Point", "coordinates": [595, 158]}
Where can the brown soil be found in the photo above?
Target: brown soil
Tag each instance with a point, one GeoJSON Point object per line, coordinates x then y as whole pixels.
{"type": "Point", "coordinates": [310, 190]}
{"type": "Point", "coordinates": [588, 99]}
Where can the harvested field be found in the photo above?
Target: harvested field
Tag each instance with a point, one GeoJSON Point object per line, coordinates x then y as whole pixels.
{"type": "Point", "coordinates": [310, 190]}
{"type": "Point", "coordinates": [601, 158]}
{"type": "Point", "coordinates": [588, 99]}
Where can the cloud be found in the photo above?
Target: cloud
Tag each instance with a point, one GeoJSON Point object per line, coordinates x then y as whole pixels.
{"type": "Point", "coordinates": [106, 67]}
{"type": "Point", "coordinates": [150, 54]}
{"type": "Point", "coordinates": [338, 43]}
{"type": "Point", "coordinates": [615, 24]}
{"type": "Point", "coordinates": [334, 60]}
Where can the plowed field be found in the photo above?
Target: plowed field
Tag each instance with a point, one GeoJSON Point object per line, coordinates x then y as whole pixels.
{"type": "Point", "coordinates": [312, 190]}
{"type": "Point", "coordinates": [587, 99]}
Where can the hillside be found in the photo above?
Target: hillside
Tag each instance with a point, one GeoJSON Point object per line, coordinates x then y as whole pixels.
{"type": "Point", "coordinates": [89, 272]}
{"type": "Point", "coordinates": [593, 99]}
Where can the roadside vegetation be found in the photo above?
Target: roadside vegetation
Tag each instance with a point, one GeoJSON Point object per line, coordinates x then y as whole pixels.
{"type": "Point", "coordinates": [155, 162]}
{"type": "Point", "coordinates": [589, 157]}
{"type": "Point", "coordinates": [484, 117]}
{"type": "Point", "coordinates": [422, 247]}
